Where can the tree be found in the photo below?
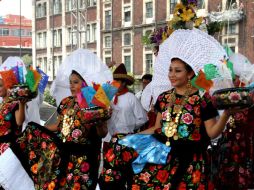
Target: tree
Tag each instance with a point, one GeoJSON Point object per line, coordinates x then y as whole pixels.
{"type": "Point", "coordinates": [27, 59]}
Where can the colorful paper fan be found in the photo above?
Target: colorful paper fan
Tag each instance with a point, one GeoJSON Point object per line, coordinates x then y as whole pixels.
{"type": "Point", "coordinates": [97, 95]}
{"type": "Point", "coordinates": [201, 82]}
{"type": "Point", "coordinates": [9, 78]}
{"type": "Point", "coordinates": [110, 90]}
{"type": "Point", "coordinates": [88, 93]}
{"type": "Point", "coordinates": [33, 78]}
{"type": "Point", "coordinates": [100, 98]}
{"type": "Point", "coordinates": [43, 82]}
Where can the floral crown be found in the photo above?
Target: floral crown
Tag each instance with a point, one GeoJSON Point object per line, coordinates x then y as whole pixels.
{"type": "Point", "coordinates": [184, 17]}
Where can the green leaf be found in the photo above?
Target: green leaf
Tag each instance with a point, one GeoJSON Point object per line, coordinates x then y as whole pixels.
{"type": "Point", "coordinates": [210, 71]}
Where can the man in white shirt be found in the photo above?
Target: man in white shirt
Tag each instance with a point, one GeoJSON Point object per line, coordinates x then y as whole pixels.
{"type": "Point", "coordinates": [146, 79]}
{"type": "Point", "coordinates": [128, 114]}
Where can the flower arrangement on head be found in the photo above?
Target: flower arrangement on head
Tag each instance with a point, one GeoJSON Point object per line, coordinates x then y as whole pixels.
{"type": "Point", "coordinates": [23, 83]}
{"type": "Point", "coordinates": [95, 100]}
{"type": "Point", "coordinates": [184, 17]}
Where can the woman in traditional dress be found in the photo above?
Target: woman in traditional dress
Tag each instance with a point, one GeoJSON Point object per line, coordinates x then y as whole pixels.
{"type": "Point", "coordinates": [65, 155]}
{"type": "Point", "coordinates": [186, 119]}
{"type": "Point", "coordinates": [235, 152]}
{"type": "Point", "coordinates": [12, 116]}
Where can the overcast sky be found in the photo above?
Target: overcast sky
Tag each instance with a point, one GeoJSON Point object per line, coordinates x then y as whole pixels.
{"type": "Point", "coordinates": [13, 7]}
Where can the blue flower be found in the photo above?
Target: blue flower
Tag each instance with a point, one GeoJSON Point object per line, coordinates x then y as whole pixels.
{"type": "Point", "coordinates": [8, 117]}
{"type": "Point", "coordinates": [183, 131]}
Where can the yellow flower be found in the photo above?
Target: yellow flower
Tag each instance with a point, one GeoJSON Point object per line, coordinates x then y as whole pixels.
{"type": "Point", "coordinates": [187, 15]}
{"type": "Point", "coordinates": [198, 21]}
{"type": "Point", "coordinates": [178, 7]}
{"type": "Point", "coordinates": [164, 36]}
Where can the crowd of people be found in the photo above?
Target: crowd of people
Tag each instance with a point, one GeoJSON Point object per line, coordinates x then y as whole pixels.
{"type": "Point", "coordinates": [139, 153]}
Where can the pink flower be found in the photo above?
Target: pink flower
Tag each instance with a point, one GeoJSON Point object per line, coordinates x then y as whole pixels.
{"type": "Point", "coordinates": [76, 133]}
{"type": "Point", "coordinates": [188, 107]}
{"type": "Point", "coordinates": [187, 118]}
{"type": "Point", "coordinates": [43, 145]}
{"type": "Point", "coordinates": [234, 97]}
{"type": "Point", "coordinates": [145, 177]}
{"type": "Point", "coordinates": [69, 176]}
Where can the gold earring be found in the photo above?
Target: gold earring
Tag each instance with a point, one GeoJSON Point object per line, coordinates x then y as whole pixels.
{"type": "Point", "coordinates": [189, 85]}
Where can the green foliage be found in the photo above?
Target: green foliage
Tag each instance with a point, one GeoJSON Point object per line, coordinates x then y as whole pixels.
{"type": "Point", "coordinates": [214, 27]}
{"type": "Point", "coordinates": [48, 98]}
{"type": "Point", "coordinates": [146, 39]}
{"type": "Point", "coordinates": [27, 59]}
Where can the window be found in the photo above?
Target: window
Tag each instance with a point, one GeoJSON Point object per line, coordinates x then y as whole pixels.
{"type": "Point", "coordinates": [93, 32]}
{"type": "Point", "coordinates": [107, 60]}
{"type": "Point", "coordinates": [149, 63]}
{"type": "Point", "coordinates": [149, 10]}
{"type": "Point", "coordinates": [233, 48]}
{"type": "Point", "coordinates": [39, 40]}
{"type": "Point", "coordinates": [127, 14]}
{"type": "Point", "coordinates": [230, 4]}
{"type": "Point", "coordinates": [200, 4]}
{"type": "Point", "coordinates": [5, 32]}
{"type": "Point", "coordinates": [68, 5]}
{"type": "Point", "coordinates": [59, 39]}
{"type": "Point", "coordinates": [91, 3]}
{"type": "Point", "coordinates": [127, 63]}
{"type": "Point", "coordinates": [88, 33]}
{"type": "Point", "coordinates": [57, 7]}
{"type": "Point", "coordinates": [44, 41]}
{"type": "Point", "coordinates": [108, 20]}
{"type": "Point", "coordinates": [44, 9]}
{"type": "Point", "coordinates": [127, 39]}
{"type": "Point", "coordinates": [44, 65]}
{"type": "Point", "coordinates": [107, 42]}
{"type": "Point", "coordinates": [172, 5]}
{"type": "Point", "coordinates": [55, 37]}
{"type": "Point", "coordinates": [230, 29]}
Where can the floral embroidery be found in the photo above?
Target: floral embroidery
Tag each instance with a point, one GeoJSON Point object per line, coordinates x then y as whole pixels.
{"type": "Point", "coordinates": [45, 152]}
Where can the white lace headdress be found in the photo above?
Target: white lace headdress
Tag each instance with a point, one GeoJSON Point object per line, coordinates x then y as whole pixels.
{"type": "Point", "coordinates": [197, 49]}
{"type": "Point", "coordinates": [242, 68]}
{"type": "Point", "coordinates": [87, 64]}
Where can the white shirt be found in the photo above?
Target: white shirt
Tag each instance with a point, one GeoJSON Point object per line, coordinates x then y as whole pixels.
{"type": "Point", "coordinates": [127, 116]}
{"type": "Point", "coordinates": [139, 94]}
{"type": "Point", "coordinates": [32, 111]}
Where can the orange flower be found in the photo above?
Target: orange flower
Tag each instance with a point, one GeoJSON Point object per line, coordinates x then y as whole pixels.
{"type": "Point", "coordinates": [135, 187]}
{"type": "Point", "coordinates": [107, 178]}
{"type": "Point", "coordinates": [34, 168]}
{"type": "Point", "coordinates": [197, 121]}
{"type": "Point", "coordinates": [76, 123]}
{"type": "Point", "coordinates": [51, 186]}
{"type": "Point", "coordinates": [196, 176]}
{"type": "Point", "coordinates": [80, 159]}
{"type": "Point", "coordinates": [76, 186]}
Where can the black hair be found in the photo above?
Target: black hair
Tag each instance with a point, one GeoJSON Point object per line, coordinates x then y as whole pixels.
{"type": "Point", "coordinates": [147, 77]}
{"type": "Point", "coordinates": [187, 66]}
{"type": "Point", "coordinates": [76, 73]}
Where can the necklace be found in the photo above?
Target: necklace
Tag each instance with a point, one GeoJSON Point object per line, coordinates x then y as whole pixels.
{"type": "Point", "coordinates": [170, 123]}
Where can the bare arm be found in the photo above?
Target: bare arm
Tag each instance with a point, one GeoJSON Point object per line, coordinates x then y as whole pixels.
{"type": "Point", "coordinates": [215, 127]}
{"type": "Point", "coordinates": [20, 113]}
{"type": "Point", "coordinates": [102, 129]}
{"type": "Point", "coordinates": [156, 126]}
{"type": "Point", "coordinates": [54, 126]}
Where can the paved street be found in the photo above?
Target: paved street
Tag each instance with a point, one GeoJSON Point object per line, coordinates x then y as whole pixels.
{"type": "Point", "coordinates": [47, 111]}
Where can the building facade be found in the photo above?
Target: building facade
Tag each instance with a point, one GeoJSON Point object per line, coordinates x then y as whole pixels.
{"type": "Point", "coordinates": [114, 29]}
{"type": "Point", "coordinates": [60, 27]}
{"type": "Point", "coordinates": [15, 36]}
